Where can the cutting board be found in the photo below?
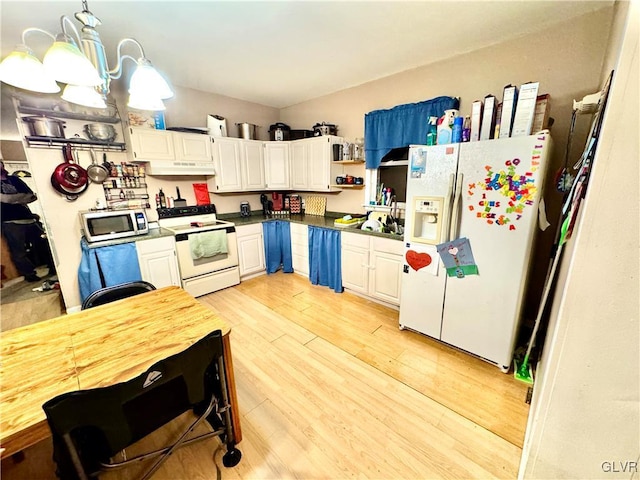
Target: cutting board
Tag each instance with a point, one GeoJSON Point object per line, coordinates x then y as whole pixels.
{"type": "Point", "coordinates": [315, 205]}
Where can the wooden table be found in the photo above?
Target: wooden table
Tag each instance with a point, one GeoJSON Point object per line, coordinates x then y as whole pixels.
{"type": "Point", "coordinates": [94, 348]}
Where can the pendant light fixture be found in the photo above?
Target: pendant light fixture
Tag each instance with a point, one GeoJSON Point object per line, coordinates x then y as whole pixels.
{"type": "Point", "coordinates": [81, 64]}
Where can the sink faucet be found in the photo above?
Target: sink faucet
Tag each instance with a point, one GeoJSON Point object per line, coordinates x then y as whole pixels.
{"type": "Point", "coordinates": [394, 208]}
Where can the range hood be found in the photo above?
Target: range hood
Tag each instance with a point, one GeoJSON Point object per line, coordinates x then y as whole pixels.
{"type": "Point", "coordinates": [177, 167]}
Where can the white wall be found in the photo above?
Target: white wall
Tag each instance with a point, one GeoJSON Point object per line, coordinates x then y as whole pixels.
{"type": "Point", "coordinates": [585, 415]}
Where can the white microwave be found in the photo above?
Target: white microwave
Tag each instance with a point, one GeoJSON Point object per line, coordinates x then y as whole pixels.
{"type": "Point", "coordinates": [99, 225]}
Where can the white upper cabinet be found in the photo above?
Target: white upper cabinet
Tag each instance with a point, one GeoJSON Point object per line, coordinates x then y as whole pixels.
{"type": "Point", "coordinates": [172, 153]}
{"type": "Point", "coordinates": [253, 177]}
{"type": "Point", "coordinates": [191, 147]}
{"type": "Point", "coordinates": [276, 162]}
{"type": "Point", "coordinates": [239, 165]}
{"type": "Point", "coordinates": [150, 144]}
{"type": "Point", "coordinates": [312, 168]}
{"type": "Point", "coordinates": [226, 158]}
{"type": "Point", "coordinates": [299, 165]}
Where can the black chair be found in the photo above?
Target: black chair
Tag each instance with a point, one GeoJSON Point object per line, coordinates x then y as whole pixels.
{"type": "Point", "coordinates": [116, 292]}
{"type": "Point", "coordinates": [89, 427]}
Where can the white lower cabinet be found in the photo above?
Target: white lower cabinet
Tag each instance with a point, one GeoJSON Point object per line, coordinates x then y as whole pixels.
{"type": "Point", "coordinates": [372, 266]}
{"type": "Point", "coordinates": [250, 249]}
{"type": "Point", "coordinates": [158, 262]}
{"type": "Point", "coordinates": [300, 248]}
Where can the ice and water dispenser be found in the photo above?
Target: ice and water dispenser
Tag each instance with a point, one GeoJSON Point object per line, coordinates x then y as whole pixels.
{"type": "Point", "coordinates": [428, 216]}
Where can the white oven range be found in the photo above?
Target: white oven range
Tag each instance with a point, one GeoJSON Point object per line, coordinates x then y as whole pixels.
{"type": "Point", "coordinates": [207, 274]}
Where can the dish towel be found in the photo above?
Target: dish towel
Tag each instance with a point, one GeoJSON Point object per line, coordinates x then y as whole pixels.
{"type": "Point", "coordinates": [208, 244]}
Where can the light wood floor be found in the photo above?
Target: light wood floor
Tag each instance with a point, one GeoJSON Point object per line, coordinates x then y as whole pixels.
{"type": "Point", "coordinates": [329, 388]}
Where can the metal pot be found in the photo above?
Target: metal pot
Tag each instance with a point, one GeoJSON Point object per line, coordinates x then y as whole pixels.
{"type": "Point", "coordinates": [41, 126]}
{"type": "Point", "coordinates": [102, 132]}
{"type": "Point", "coordinates": [69, 178]}
{"type": "Point", "coordinates": [248, 131]}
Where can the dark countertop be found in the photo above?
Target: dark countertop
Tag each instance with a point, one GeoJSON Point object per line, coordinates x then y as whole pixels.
{"type": "Point", "coordinates": [153, 233]}
{"type": "Point", "coordinates": [314, 220]}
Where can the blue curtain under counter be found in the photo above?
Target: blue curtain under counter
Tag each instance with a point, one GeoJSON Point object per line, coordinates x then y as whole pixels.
{"type": "Point", "coordinates": [277, 246]}
{"type": "Point", "coordinates": [325, 259]}
{"type": "Point", "coordinates": [107, 266]}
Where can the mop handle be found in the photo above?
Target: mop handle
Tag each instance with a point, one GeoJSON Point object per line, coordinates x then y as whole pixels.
{"type": "Point", "coordinates": [545, 298]}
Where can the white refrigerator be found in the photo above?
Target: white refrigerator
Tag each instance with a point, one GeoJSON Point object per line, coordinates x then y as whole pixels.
{"type": "Point", "coordinates": [487, 192]}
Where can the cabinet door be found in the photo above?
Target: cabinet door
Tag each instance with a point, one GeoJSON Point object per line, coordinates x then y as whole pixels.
{"type": "Point", "coordinates": [252, 155]}
{"type": "Point", "coordinates": [355, 269]}
{"type": "Point", "coordinates": [355, 262]}
{"type": "Point", "coordinates": [276, 160]}
{"type": "Point", "coordinates": [385, 276]}
{"type": "Point", "coordinates": [299, 165]}
{"type": "Point", "coordinates": [158, 263]}
{"type": "Point", "coordinates": [319, 163]}
{"type": "Point", "coordinates": [300, 248]}
{"type": "Point", "coordinates": [149, 144]}
{"type": "Point", "coordinates": [192, 147]}
{"type": "Point", "coordinates": [250, 249]}
{"type": "Point", "coordinates": [226, 158]}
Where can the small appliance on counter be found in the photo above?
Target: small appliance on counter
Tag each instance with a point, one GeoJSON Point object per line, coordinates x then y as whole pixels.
{"type": "Point", "coordinates": [265, 204]}
{"type": "Point", "coordinates": [245, 209]}
{"type": "Point", "coordinates": [113, 224]}
{"type": "Point", "coordinates": [278, 201]}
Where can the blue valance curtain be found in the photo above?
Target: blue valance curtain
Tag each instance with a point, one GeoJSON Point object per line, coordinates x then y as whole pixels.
{"type": "Point", "coordinates": [325, 259]}
{"type": "Point", "coordinates": [107, 266]}
{"type": "Point", "coordinates": [277, 246]}
{"type": "Point", "coordinates": [400, 126]}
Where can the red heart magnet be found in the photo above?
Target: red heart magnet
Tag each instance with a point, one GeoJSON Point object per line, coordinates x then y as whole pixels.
{"type": "Point", "coordinates": [417, 260]}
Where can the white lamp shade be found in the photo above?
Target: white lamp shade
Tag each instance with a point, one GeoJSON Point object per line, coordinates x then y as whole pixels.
{"type": "Point", "coordinates": [148, 82]}
{"type": "Point", "coordinates": [145, 102]}
{"type": "Point", "coordinates": [87, 96]}
{"type": "Point", "coordinates": [66, 63]}
{"type": "Point", "coordinates": [23, 70]}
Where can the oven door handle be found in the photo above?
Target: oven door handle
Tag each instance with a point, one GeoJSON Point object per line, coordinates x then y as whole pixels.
{"type": "Point", "coordinates": [182, 237]}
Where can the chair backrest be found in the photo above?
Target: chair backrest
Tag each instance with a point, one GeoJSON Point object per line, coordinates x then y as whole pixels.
{"type": "Point", "coordinates": [102, 421]}
{"type": "Point", "coordinates": [116, 292]}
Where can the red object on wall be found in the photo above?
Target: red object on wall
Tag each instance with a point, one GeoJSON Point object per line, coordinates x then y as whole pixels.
{"type": "Point", "coordinates": [202, 194]}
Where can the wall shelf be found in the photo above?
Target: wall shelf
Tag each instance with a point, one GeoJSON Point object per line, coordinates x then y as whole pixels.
{"type": "Point", "coordinates": [82, 143]}
{"type": "Point", "coordinates": [69, 115]}
{"type": "Point", "coordinates": [349, 162]}
{"type": "Point", "coordinates": [347, 186]}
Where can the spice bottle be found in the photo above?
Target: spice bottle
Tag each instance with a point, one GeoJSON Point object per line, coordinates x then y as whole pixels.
{"type": "Point", "coordinates": [163, 202]}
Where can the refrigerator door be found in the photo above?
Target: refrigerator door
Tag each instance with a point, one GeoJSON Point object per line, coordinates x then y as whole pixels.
{"type": "Point", "coordinates": [429, 174]}
{"type": "Point", "coordinates": [501, 185]}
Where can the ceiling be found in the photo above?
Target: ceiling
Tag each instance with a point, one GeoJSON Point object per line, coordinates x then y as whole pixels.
{"type": "Point", "coordinates": [282, 53]}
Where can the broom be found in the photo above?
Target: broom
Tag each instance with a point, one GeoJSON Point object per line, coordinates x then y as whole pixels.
{"type": "Point", "coordinates": [523, 371]}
